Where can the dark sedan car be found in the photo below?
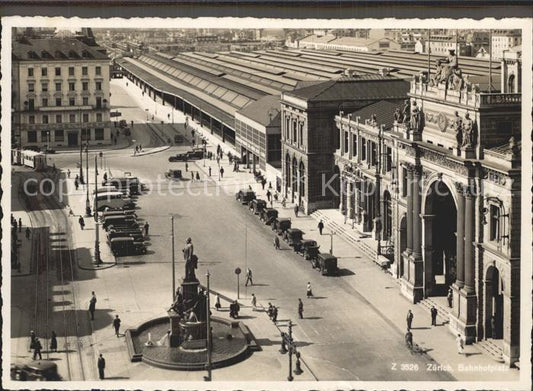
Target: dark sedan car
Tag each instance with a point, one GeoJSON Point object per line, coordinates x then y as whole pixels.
{"type": "Point", "coordinates": [245, 196]}
{"type": "Point", "coordinates": [42, 370]}
{"type": "Point", "coordinates": [194, 154]}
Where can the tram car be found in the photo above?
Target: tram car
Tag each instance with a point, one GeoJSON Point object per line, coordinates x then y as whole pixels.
{"type": "Point", "coordinates": [29, 158]}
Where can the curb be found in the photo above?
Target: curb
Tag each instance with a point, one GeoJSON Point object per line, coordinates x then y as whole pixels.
{"type": "Point", "coordinates": [103, 267]}
{"type": "Point", "coordinates": [151, 152]}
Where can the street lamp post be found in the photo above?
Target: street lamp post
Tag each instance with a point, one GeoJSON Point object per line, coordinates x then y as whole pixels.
{"type": "Point", "coordinates": [209, 334]}
{"type": "Point", "coordinates": [81, 162]}
{"type": "Point", "coordinates": [87, 202]}
{"type": "Point", "coordinates": [97, 258]}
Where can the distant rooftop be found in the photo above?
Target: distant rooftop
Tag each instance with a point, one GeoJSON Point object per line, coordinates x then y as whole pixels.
{"type": "Point", "coordinates": [55, 49]}
{"type": "Point", "coordinates": [383, 110]}
{"type": "Point", "coordinates": [264, 110]}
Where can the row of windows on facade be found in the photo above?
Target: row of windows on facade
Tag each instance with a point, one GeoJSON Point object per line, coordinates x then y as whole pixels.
{"type": "Point", "coordinates": [369, 152]}
{"type": "Point", "coordinates": [57, 71]}
{"type": "Point", "coordinates": [59, 135]}
{"type": "Point", "coordinates": [59, 118]}
{"type": "Point", "coordinates": [59, 102]}
{"type": "Point", "coordinates": [71, 86]}
{"type": "Point", "coordinates": [294, 133]}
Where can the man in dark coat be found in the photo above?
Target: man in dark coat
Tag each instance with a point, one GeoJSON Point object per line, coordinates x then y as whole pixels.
{"type": "Point", "coordinates": [300, 308]}
{"type": "Point", "coordinates": [37, 349]}
{"type": "Point", "coordinates": [320, 226]}
{"type": "Point", "coordinates": [20, 225]}
{"type": "Point", "coordinates": [92, 305]}
{"type": "Point", "coordinates": [101, 366]}
{"type": "Point", "coordinates": [116, 325]}
{"type": "Point", "coordinates": [409, 319]}
{"type": "Point", "coordinates": [433, 316]}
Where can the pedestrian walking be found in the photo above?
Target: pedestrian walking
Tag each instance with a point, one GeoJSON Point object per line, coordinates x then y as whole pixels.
{"type": "Point", "coordinates": [276, 243]}
{"type": "Point", "coordinates": [409, 339]}
{"type": "Point", "coordinates": [300, 308]}
{"type": "Point", "coordinates": [192, 176]}
{"type": "Point", "coordinates": [186, 166]}
{"type": "Point", "coordinates": [409, 319]}
{"type": "Point", "coordinates": [101, 367]}
{"type": "Point", "coordinates": [269, 195]}
{"type": "Point", "coordinates": [309, 290]}
{"type": "Point", "coordinates": [32, 340]}
{"type": "Point", "coordinates": [37, 349]}
{"type": "Point", "coordinates": [76, 183]}
{"type": "Point", "coordinates": [82, 222]}
{"type": "Point", "coordinates": [460, 344]}
{"type": "Point", "coordinates": [450, 297]}
{"type": "Point", "coordinates": [146, 228]}
{"type": "Point", "coordinates": [92, 305]}
{"type": "Point", "coordinates": [141, 147]}
{"type": "Point", "coordinates": [249, 277]}
{"type": "Point", "coordinates": [263, 183]}
{"type": "Point", "coordinates": [320, 226]}
{"type": "Point", "coordinates": [53, 342]}
{"type": "Point", "coordinates": [20, 225]}
{"type": "Point", "coordinates": [270, 310]}
{"type": "Point", "coordinates": [15, 224]}
{"type": "Point", "coordinates": [222, 172]}
{"type": "Point", "coordinates": [433, 316]}
{"type": "Point", "coordinates": [116, 325]}
{"type": "Point", "coordinates": [197, 176]}
{"type": "Point", "coordinates": [254, 302]}
{"type": "Point", "coordinates": [209, 171]}
{"type": "Point", "coordinates": [217, 302]}
{"type": "Point", "coordinates": [28, 232]}
{"type": "Point", "coordinates": [274, 314]}
{"type": "Point", "coordinates": [105, 176]}
{"type": "Point", "coordinates": [296, 210]}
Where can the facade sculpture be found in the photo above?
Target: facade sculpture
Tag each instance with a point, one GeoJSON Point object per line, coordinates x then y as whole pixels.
{"type": "Point", "coordinates": [406, 112]}
{"type": "Point", "coordinates": [457, 126]}
{"type": "Point", "coordinates": [416, 118]}
{"type": "Point", "coordinates": [445, 68]}
{"type": "Point", "coordinates": [468, 132]}
{"type": "Point", "coordinates": [398, 116]}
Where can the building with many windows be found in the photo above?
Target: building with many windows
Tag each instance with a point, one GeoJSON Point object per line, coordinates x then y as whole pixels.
{"type": "Point", "coordinates": [60, 93]}
{"type": "Point", "coordinates": [438, 186]}
{"type": "Point", "coordinates": [503, 40]}
{"type": "Point", "coordinates": [308, 135]}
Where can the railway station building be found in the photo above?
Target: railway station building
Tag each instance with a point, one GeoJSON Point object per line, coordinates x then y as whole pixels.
{"type": "Point", "coordinates": [439, 189]}
{"type": "Point", "coordinates": [60, 90]}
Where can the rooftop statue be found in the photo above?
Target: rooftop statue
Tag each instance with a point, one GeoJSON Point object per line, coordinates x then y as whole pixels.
{"type": "Point", "coordinates": [445, 69]}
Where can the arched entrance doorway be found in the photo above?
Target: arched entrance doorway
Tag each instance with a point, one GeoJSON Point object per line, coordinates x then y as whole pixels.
{"type": "Point", "coordinates": [294, 178]}
{"type": "Point", "coordinates": [494, 304]}
{"type": "Point", "coordinates": [301, 175]}
{"type": "Point", "coordinates": [287, 174]}
{"type": "Point", "coordinates": [440, 226]}
{"type": "Point", "coordinates": [336, 186]}
{"type": "Point", "coordinates": [510, 84]}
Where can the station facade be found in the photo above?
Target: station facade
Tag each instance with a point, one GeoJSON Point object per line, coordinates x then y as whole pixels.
{"type": "Point", "coordinates": [442, 198]}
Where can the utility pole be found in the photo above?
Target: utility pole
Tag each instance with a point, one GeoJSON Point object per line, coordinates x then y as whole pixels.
{"type": "Point", "coordinates": [87, 202]}
{"type": "Point", "coordinates": [173, 261]}
{"type": "Point", "coordinates": [81, 161]}
{"type": "Point", "coordinates": [97, 258]}
{"type": "Point", "coordinates": [209, 334]}
{"type": "Point", "coordinates": [291, 349]}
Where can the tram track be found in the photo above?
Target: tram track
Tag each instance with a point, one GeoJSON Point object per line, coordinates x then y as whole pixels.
{"type": "Point", "coordinates": [47, 212]}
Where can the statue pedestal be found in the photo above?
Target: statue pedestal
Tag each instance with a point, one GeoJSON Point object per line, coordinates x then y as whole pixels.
{"type": "Point", "coordinates": [193, 331]}
{"type": "Point", "coordinates": [174, 328]}
{"type": "Point", "coordinates": [189, 288]}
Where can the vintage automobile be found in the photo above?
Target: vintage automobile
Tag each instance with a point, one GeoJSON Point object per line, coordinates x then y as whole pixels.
{"type": "Point", "coordinates": [326, 264]}
{"type": "Point", "coordinates": [121, 212]}
{"type": "Point", "coordinates": [41, 370]}
{"type": "Point", "coordinates": [135, 233]}
{"type": "Point", "coordinates": [119, 221]}
{"type": "Point", "coordinates": [304, 245]}
{"type": "Point", "coordinates": [193, 154]}
{"type": "Point", "coordinates": [280, 225]}
{"type": "Point", "coordinates": [125, 183]}
{"type": "Point", "coordinates": [245, 196]}
{"type": "Point", "coordinates": [257, 205]}
{"type": "Point", "coordinates": [268, 215]}
{"type": "Point", "coordinates": [126, 246]}
{"type": "Point", "coordinates": [293, 237]}
{"type": "Point", "coordinates": [173, 174]}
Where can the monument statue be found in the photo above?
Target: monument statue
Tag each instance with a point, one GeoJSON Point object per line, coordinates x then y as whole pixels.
{"type": "Point", "coordinates": [416, 118]}
{"type": "Point", "coordinates": [457, 126]}
{"type": "Point", "coordinates": [445, 68]}
{"type": "Point", "coordinates": [468, 132]}
{"type": "Point", "coordinates": [457, 80]}
{"type": "Point", "coordinates": [191, 261]}
{"type": "Point", "coordinates": [397, 115]}
{"type": "Point", "coordinates": [406, 113]}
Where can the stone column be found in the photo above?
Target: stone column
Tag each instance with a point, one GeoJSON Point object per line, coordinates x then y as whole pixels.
{"type": "Point", "coordinates": [417, 228]}
{"type": "Point", "coordinates": [349, 201]}
{"type": "Point", "coordinates": [427, 254]}
{"type": "Point", "coordinates": [341, 188]}
{"type": "Point", "coordinates": [459, 283]}
{"type": "Point", "coordinates": [409, 216]}
{"type": "Point", "coordinates": [469, 239]}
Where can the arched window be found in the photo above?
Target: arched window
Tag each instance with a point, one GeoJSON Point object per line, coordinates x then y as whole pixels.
{"type": "Point", "coordinates": [510, 84]}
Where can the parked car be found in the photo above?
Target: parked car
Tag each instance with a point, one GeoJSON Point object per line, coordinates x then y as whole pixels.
{"type": "Point", "coordinates": [293, 237]}
{"type": "Point", "coordinates": [304, 245]}
{"type": "Point", "coordinates": [119, 212]}
{"type": "Point", "coordinates": [193, 154]}
{"type": "Point", "coordinates": [280, 225]}
{"type": "Point", "coordinates": [326, 264]}
{"type": "Point", "coordinates": [135, 233]}
{"type": "Point", "coordinates": [118, 220]}
{"type": "Point", "coordinates": [257, 205]}
{"type": "Point", "coordinates": [126, 183]}
{"type": "Point", "coordinates": [268, 215]}
{"type": "Point", "coordinates": [245, 196]}
{"type": "Point", "coordinates": [126, 246]}
{"type": "Point", "coordinates": [41, 370]}
{"type": "Point", "coordinates": [173, 174]}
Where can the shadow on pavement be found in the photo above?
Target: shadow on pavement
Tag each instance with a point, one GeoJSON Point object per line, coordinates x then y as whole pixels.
{"type": "Point", "coordinates": [266, 342]}
{"type": "Point", "coordinates": [312, 317]}
{"type": "Point", "coordinates": [345, 272]}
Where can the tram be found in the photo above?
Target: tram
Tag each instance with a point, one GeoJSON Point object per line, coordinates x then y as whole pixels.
{"type": "Point", "coordinates": [29, 158]}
